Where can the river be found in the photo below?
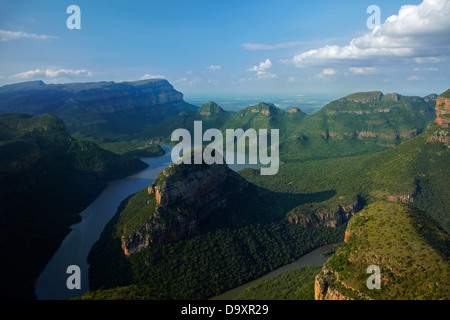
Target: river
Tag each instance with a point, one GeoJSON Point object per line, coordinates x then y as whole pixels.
{"type": "Point", "coordinates": [312, 258]}
{"type": "Point", "coordinates": [74, 249]}
{"type": "Point", "coordinates": [51, 284]}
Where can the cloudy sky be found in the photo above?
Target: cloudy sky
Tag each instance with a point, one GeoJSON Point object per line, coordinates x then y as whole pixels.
{"type": "Point", "coordinates": [232, 47]}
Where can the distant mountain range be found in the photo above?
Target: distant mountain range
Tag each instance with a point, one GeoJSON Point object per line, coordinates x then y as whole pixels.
{"type": "Point", "coordinates": [172, 240]}
{"type": "Point", "coordinates": [382, 195]}
{"type": "Point", "coordinates": [98, 109]}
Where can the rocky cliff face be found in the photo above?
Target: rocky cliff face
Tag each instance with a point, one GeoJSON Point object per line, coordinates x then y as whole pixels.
{"type": "Point", "coordinates": [442, 111]}
{"type": "Point", "coordinates": [442, 119]}
{"type": "Point", "coordinates": [328, 218]}
{"type": "Point", "coordinates": [409, 248]}
{"type": "Point", "coordinates": [97, 108]}
{"type": "Point", "coordinates": [185, 196]}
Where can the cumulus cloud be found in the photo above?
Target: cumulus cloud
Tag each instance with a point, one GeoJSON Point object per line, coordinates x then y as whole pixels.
{"type": "Point", "coordinates": [152, 76]}
{"type": "Point", "coordinates": [6, 35]}
{"type": "Point", "coordinates": [214, 67]}
{"type": "Point", "coordinates": [52, 73]}
{"type": "Point", "coordinates": [420, 32]}
{"type": "Point", "coordinates": [262, 70]}
{"type": "Point", "coordinates": [326, 74]}
{"type": "Point", "coordinates": [262, 66]}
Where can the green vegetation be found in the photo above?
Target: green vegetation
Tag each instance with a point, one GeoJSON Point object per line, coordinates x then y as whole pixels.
{"type": "Point", "coordinates": [234, 248]}
{"type": "Point", "coordinates": [446, 94]}
{"type": "Point", "coordinates": [358, 124]}
{"type": "Point", "coordinates": [415, 167]}
{"type": "Point", "coordinates": [296, 284]}
{"type": "Point", "coordinates": [409, 247]}
{"type": "Point", "coordinates": [353, 152]}
{"type": "Point", "coordinates": [124, 293]}
{"type": "Point", "coordinates": [46, 179]}
{"type": "Point", "coordinates": [115, 112]}
{"type": "Point", "coordinates": [236, 244]}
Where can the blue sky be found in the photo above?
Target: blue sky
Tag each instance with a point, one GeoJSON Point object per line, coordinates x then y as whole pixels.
{"type": "Point", "coordinates": [232, 47]}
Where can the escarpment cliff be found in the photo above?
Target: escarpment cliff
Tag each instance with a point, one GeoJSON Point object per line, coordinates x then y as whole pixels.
{"type": "Point", "coordinates": [97, 109]}
{"type": "Point", "coordinates": [409, 248]}
{"type": "Point", "coordinates": [335, 217]}
{"type": "Point", "coordinates": [443, 109]}
{"type": "Point", "coordinates": [184, 196]}
{"type": "Point", "coordinates": [441, 133]}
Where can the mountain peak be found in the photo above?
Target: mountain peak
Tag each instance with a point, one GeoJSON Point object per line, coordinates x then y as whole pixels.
{"type": "Point", "coordinates": [364, 97]}
{"type": "Point", "coordinates": [210, 108]}
{"type": "Point", "coordinates": [181, 198]}
{"type": "Point", "coordinates": [409, 248]}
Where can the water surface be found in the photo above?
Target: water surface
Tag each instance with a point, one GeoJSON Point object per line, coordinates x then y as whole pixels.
{"type": "Point", "coordinates": [51, 284]}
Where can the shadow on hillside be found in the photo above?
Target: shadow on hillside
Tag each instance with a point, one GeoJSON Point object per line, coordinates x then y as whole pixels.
{"type": "Point", "coordinates": [259, 205]}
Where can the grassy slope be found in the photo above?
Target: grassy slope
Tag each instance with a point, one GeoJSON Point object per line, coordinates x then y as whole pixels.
{"type": "Point", "coordinates": [396, 171]}
{"type": "Point", "coordinates": [46, 179]}
{"type": "Point", "coordinates": [237, 244]}
{"type": "Point", "coordinates": [301, 187]}
{"type": "Point", "coordinates": [408, 246]}
{"type": "Point", "coordinates": [296, 284]}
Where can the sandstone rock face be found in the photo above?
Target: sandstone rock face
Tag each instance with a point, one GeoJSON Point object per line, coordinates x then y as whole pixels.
{"type": "Point", "coordinates": [442, 108]}
{"type": "Point", "coordinates": [330, 218]}
{"type": "Point", "coordinates": [443, 120]}
{"type": "Point", "coordinates": [185, 196]}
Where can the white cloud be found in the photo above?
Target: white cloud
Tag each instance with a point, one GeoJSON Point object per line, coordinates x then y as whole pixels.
{"type": "Point", "coordinates": [425, 69]}
{"type": "Point", "coordinates": [261, 70]}
{"type": "Point", "coordinates": [423, 60]}
{"type": "Point", "coordinates": [415, 78]}
{"type": "Point", "coordinates": [184, 79]}
{"type": "Point", "coordinates": [420, 32]}
{"type": "Point", "coordinates": [262, 46]}
{"type": "Point", "coordinates": [326, 74]}
{"type": "Point", "coordinates": [6, 35]}
{"type": "Point", "coordinates": [195, 80]}
{"type": "Point", "coordinates": [214, 67]}
{"type": "Point", "coordinates": [152, 76]}
{"type": "Point", "coordinates": [262, 66]}
{"type": "Point", "coordinates": [363, 70]}
{"type": "Point", "coordinates": [52, 73]}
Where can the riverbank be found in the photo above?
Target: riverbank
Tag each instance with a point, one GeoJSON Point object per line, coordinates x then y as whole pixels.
{"type": "Point", "coordinates": [313, 258]}
{"type": "Point", "coordinates": [51, 283]}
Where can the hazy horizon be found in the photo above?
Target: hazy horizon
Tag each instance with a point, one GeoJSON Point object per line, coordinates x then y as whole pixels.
{"type": "Point", "coordinates": [234, 47]}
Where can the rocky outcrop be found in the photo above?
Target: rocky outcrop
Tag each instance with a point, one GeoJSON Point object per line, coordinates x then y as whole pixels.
{"type": "Point", "coordinates": [442, 120]}
{"type": "Point", "coordinates": [443, 111]}
{"type": "Point", "coordinates": [322, 291]}
{"type": "Point", "coordinates": [391, 252]}
{"type": "Point", "coordinates": [328, 218]}
{"type": "Point", "coordinates": [364, 97]}
{"type": "Point", "coordinates": [185, 196]}
{"type": "Point", "coordinates": [440, 135]}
